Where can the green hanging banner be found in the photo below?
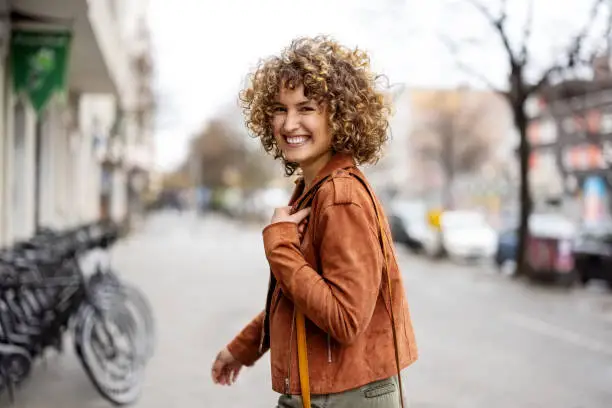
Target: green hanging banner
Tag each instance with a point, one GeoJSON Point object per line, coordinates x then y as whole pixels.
{"type": "Point", "coordinates": [39, 63]}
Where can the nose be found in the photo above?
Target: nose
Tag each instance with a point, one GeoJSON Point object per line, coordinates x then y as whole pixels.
{"type": "Point", "coordinates": [291, 123]}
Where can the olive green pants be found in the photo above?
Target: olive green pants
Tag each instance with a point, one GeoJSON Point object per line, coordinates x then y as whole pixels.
{"type": "Point", "coordinates": [379, 394]}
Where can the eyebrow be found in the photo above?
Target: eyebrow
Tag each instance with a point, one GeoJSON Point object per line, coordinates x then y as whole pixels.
{"type": "Point", "coordinates": [301, 103]}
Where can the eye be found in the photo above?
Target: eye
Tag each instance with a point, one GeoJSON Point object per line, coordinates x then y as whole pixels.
{"type": "Point", "coordinates": [278, 109]}
{"type": "Point", "coordinates": [307, 109]}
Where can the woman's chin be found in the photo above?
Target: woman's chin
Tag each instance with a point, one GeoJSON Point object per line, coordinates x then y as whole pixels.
{"type": "Point", "coordinates": [293, 156]}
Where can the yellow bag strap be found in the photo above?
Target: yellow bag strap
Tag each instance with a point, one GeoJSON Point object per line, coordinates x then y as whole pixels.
{"type": "Point", "coordinates": [302, 346]}
{"type": "Point", "coordinates": [302, 358]}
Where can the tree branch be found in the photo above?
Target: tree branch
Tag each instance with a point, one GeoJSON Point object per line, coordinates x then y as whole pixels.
{"type": "Point", "coordinates": [498, 24]}
{"type": "Point", "coordinates": [573, 51]}
{"type": "Point", "coordinates": [609, 33]}
{"type": "Point", "coordinates": [453, 134]}
{"type": "Point", "coordinates": [523, 56]}
{"type": "Point", "coordinates": [454, 50]}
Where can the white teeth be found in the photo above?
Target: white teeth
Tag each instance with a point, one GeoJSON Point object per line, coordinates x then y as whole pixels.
{"type": "Point", "coordinates": [296, 139]}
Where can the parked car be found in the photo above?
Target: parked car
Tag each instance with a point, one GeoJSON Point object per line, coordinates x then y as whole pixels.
{"type": "Point", "coordinates": [593, 252]}
{"type": "Point", "coordinates": [549, 248]}
{"type": "Point", "coordinates": [408, 223]}
{"type": "Point", "coordinates": [463, 234]}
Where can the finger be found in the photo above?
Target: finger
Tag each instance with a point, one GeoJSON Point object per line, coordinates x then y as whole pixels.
{"type": "Point", "coordinates": [301, 215]}
{"type": "Point", "coordinates": [216, 372]}
{"type": "Point", "coordinates": [234, 375]}
{"type": "Point", "coordinates": [219, 378]}
{"type": "Point", "coordinates": [217, 375]}
{"type": "Point", "coordinates": [283, 210]}
{"type": "Point", "coordinates": [224, 379]}
{"type": "Point", "coordinates": [221, 373]}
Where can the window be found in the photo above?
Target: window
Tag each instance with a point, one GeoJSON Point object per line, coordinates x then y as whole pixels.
{"type": "Point", "coordinates": [592, 120]}
{"type": "Point", "coordinates": [548, 161]}
{"type": "Point", "coordinates": [605, 97]}
{"type": "Point", "coordinates": [548, 132]}
{"type": "Point", "coordinates": [606, 123]}
{"type": "Point", "coordinates": [606, 151]}
{"type": "Point", "coordinates": [533, 132]}
{"type": "Point", "coordinates": [532, 107]}
{"type": "Point", "coordinates": [568, 125]}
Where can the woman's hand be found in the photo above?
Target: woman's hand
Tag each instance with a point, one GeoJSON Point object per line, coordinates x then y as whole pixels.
{"type": "Point", "coordinates": [283, 214]}
{"type": "Point", "coordinates": [226, 368]}
{"type": "Point", "coordinates": [302, 228]}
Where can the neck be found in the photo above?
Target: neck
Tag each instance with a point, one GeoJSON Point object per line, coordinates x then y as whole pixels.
{"type": "Point", "coordinates": [313, 168]}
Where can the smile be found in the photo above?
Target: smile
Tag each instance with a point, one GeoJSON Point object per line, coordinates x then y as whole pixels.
{"type": "Point", "coordinates": [296, 141]}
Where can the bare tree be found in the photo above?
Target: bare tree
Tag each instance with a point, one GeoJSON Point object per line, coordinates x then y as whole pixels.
{"type": "Point", "coordinates": [520, 86]}
{"type": "Point", "coordinates": [218, 150]}
{"type": "Point", "coordinates": [454, 135]}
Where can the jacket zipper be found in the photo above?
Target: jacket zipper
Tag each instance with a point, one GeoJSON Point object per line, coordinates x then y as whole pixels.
{"type": "Point", "coordinates": [288, 378]}
{"type": "Point", "coordinates": [329, 353]}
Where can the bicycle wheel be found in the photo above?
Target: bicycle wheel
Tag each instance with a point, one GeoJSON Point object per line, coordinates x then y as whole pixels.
{"type": "Point", "coordinates": [16, 362]}
{"type": "Point", "coordinates": [105, 345]}
{"type": "Point", "coordinates": [136, 301]}
{"type": "Point", "coordinates": [109, 291]}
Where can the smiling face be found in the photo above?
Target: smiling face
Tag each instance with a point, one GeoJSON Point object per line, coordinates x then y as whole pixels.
{"type": "Point", "coordinates": [302, 132]}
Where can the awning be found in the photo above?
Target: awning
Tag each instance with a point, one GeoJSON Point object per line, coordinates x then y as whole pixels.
{"type": "Point", "coordinates": [98, 63]}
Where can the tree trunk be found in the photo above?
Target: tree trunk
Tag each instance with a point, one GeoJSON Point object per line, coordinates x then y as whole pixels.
{"type": "Point", "coordinates": [448, 163]}
{"type": "Point", "coordinates": [520, 119]}
{"type": "Point", "coordinates": [448, 199]}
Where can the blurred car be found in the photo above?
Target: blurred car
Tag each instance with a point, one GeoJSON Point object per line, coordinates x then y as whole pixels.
{"type": "Point", "coordinates": [593, 252]}
{"type": "Point", "coordinates": [549, 248]}
{"type": "Point", "coordinates": [467, 234]}
{"type": "Point", "coordinates": [407, 220]}
{"type": "Point", "coordinates": [463, 234]}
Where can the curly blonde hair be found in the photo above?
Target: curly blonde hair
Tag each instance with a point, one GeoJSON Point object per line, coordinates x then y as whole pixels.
{"type": "Point", "coordinates": [333, 75]}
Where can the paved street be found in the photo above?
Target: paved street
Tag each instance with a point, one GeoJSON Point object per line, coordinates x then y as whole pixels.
{"type": "Point", "coordinates": [485, 341]}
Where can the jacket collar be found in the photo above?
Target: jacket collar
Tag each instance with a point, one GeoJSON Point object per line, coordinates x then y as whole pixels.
{"type": "Point", "coordinates": [338, 161]}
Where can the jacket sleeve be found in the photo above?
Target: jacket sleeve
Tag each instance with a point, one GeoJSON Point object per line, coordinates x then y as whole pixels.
{"type": "Point", "coordinates": [340, 300]}
{"type": "Point", "coordinates": [245, 346]}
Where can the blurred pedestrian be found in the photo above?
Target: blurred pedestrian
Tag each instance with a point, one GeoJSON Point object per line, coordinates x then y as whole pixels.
{"type": "Point", "coordinates": [203, 198]}
{"type": "Point", "coordinates": [317, 108]}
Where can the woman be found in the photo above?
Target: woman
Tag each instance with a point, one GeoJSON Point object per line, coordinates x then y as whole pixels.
{"type": "Point", "coordinates": [316, 107]}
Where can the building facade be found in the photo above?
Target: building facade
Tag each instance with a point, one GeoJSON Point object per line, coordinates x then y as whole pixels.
{"type": "Point", "coordinates": [571, 137]}
{"type": "Point", "coordinates": [72, 161]}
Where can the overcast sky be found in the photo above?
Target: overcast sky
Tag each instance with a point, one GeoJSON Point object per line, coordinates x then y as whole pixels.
{"type": "Point", "coordinates": [203, 50]}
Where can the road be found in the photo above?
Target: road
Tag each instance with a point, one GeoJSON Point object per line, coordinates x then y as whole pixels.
{"type": "Point", "coordinates": [485, 340]}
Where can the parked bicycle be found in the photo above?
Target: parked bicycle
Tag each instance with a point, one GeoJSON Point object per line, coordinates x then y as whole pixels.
{"type": "Point", "coordinates": [44, 292]}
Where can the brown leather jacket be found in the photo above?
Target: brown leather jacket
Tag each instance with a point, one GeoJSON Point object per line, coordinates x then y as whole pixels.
{"type": "Point", "coordinates": [335, 277]}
